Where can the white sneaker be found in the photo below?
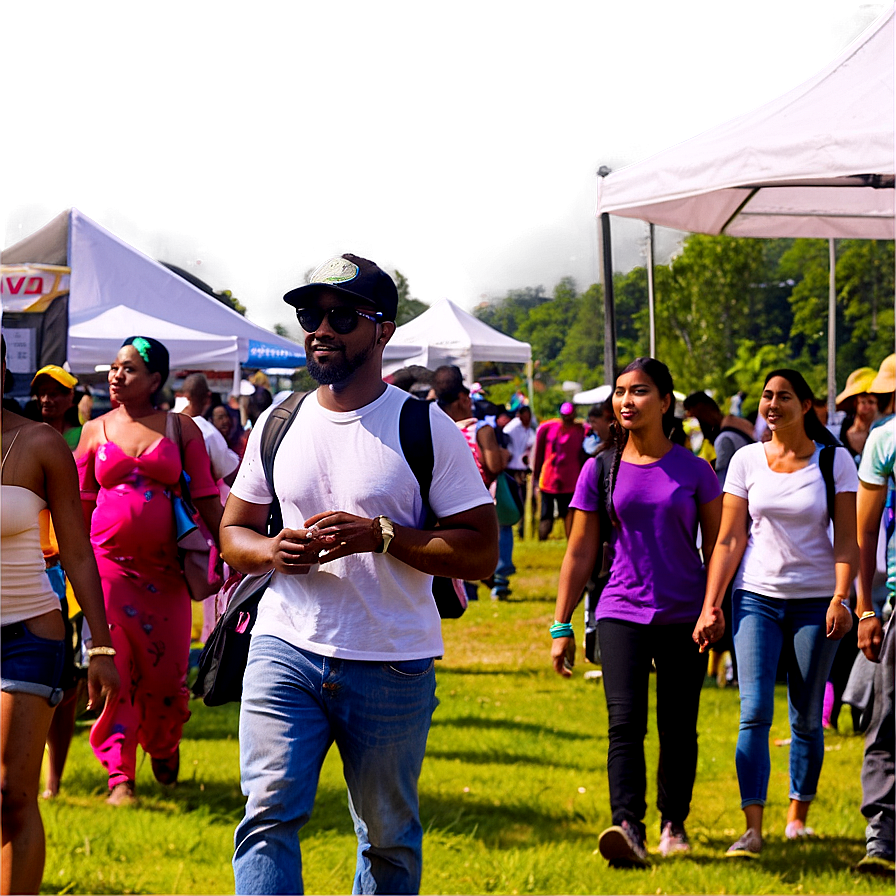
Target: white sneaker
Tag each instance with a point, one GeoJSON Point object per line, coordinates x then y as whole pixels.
{"type": "Point", "coordinates": [673, 839]}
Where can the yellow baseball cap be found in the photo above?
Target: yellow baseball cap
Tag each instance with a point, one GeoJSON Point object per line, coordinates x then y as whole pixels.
{"type": "Point", "coordinates": [63, 377]}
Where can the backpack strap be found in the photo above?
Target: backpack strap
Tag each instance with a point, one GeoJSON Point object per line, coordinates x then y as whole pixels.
{"type": "Point", "coordinates": [826, 465]}
{"type": "Point", "coordinates": [275, 427]}
{"type": "Point", "coordinates": [415, 436]}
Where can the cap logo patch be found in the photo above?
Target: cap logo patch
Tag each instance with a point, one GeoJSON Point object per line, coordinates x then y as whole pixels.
{"type": "Point", "coordinates": [336, 270]}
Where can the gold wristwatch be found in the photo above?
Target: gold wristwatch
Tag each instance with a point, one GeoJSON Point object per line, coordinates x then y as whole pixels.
{"type": "Point", "coordinates": [387, 531]}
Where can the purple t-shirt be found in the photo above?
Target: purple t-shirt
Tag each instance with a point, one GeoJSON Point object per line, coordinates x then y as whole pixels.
{"type": "Point", "coordinates": [656, 573]}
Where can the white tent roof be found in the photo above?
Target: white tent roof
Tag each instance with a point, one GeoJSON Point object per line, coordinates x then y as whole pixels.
{"type": "Point", "coordinates": [450, 335]}
{"type": "Point", "coordinates": [109, 275]}
{"type": "Point", "coordinates": [816, 162]}
{"type": "Point", "coordinates": [91, 340]}
{"type": "Point", "coordinates": [593, 396]}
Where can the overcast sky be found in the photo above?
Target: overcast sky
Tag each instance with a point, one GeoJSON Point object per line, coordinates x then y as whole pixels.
{"type": "Point", "coordinates": [456, 142]}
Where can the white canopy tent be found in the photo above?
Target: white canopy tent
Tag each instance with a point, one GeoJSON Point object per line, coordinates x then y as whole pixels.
{"type": "Point", "coordinates": [593, 396]}
{"type": "Point", "coordinates": [107, 275]}
{"type": "Point", "coordinates": [95, 341]}
{"type": "Point", "coordinates": [446, 334]}
{"type": "Point", "coordinates": [818, 161]}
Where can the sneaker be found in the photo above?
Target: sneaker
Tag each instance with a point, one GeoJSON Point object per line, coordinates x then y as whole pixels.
{"type": "Point", "coordinates": [795, 831]}
{"type": "Point", "coordinates": [880, 866]}
{"type": "Point", "coordinates": [122, 794]}
{"type": "Point", "coordinates": [748, 847]}
{"type": "Point", "coordinates": [167, 770]}
{"type": "Point", "coordinates": [623, 846]}
{"type": "Point", "coordinates": [673, 839]}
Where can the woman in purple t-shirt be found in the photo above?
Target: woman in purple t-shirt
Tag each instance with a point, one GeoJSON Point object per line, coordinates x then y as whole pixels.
{"type": "Point", "coordinates": [658, 495]}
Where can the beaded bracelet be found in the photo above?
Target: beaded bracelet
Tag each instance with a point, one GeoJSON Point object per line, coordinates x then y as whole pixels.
{"type": "Point", "coordinates": [100, 651]}
{"type": "Point", "coordinates": [562, 630]}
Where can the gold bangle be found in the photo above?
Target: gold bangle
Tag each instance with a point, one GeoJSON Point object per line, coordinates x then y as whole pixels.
{"type": "Point", "coordinates": [100, 651]}
{"type": "Point", "coordinates": [868, 614]}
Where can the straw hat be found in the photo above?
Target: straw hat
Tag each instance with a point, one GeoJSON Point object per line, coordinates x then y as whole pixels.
{"type": "Point", "coordinates": [885, 380]}
{"type": "Point", "coordinates": [857, 382]}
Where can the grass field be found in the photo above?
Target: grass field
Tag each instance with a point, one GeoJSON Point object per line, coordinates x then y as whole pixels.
{"type": "Point", "coordinates": [513, 790]}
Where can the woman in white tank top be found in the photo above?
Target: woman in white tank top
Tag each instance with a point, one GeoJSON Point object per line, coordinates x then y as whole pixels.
{"type": "Point", "coordinates": [38, 471]}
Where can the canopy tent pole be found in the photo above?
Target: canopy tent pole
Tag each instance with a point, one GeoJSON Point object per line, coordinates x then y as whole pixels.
{"type": "Point", "coordinates": [651, 297]}
{"type": "Point", "coordinates": [606, 265]}
{"type": "Point", "coordinates": [832, 329]}
{"type": "Point", "coordinates": [529, 377]}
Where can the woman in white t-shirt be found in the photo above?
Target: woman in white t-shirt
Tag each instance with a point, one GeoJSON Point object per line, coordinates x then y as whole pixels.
{"type": "Point", "coordinates": [775, 517]}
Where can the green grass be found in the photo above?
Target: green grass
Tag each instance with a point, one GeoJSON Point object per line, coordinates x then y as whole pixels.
{"type": "Point", "coordinates": [513, 790]}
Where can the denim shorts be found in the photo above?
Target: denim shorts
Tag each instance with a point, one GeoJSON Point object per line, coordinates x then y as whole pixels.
{"type": "Point", "coordinates": [30, 664]}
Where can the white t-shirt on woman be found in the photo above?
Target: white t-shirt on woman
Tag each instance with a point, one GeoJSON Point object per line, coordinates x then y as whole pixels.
{"type": "Point", "coordinates": [790, 553]}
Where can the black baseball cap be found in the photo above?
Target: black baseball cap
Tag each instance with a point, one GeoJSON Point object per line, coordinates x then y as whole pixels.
{"type": "Point", "coordinates": [356, 278]}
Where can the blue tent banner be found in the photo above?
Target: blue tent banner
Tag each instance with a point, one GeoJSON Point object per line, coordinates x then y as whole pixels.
{"type": "Point", "coordinates": [263, 354]}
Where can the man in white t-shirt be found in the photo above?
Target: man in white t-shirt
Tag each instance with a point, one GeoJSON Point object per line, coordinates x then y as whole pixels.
{"type": "Point", "coordinates": [199, 398]}
{"type": "Point", "coordinates": [344, 645]}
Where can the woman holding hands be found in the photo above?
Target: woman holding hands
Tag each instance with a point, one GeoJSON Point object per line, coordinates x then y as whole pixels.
{"type": "Point", "coordinates": [775, 517]}
{"type": "Point", "coordinates": [658, 494]}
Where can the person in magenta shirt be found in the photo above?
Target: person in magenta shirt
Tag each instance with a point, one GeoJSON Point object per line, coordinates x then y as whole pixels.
{"type": "Point", "coordinates": [128, 471]}
{"type": "Point", "coordinates": [556, 466]}
{"type": "Point", "coordinates": [656, 495]}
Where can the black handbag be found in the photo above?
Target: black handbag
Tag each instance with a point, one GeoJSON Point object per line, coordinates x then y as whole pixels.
{"type": "Point", "coordinates": [222, 663]}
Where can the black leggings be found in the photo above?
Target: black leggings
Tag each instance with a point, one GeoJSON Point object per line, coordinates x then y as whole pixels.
{"type": "Point", "coordinates": [627, 649]}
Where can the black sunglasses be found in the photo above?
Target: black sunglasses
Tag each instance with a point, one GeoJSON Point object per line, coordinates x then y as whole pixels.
{"type": "Point", "coordinates": [343, 319]}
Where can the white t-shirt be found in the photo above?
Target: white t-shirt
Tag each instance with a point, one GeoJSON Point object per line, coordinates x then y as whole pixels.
{"type": "Point", "coordinates": [224, 461]}
{"type": "Point", "coordinates": [364, 606]}
{"type": "Point", "coordinates": [520, 441]}
{"type": "Point", "coordinates": [789, 553]}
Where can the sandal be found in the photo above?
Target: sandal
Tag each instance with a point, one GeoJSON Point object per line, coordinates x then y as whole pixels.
{"type": "Point", "coordinates": [747, 847]}
{"type": "Point", "coordinates": [797, 831]}
{"type": "Point", "coordinates": [122, 794]}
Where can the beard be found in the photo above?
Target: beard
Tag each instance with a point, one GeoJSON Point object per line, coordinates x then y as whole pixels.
{"type": "Point", "coordinates": [339, 368]}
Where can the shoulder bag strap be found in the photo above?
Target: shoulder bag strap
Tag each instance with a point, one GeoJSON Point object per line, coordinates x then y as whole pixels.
{"type": "Point", "coordinates": [174, 433]}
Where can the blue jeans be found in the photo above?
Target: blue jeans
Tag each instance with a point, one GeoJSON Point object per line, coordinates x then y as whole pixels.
{"type": "Point", "coordinates": [505, 568]}
{"type": "Point", "coordinates": [31, 664]}
{"type": "Point", "coordinates": [295, 704]}
{"type": "Point", "coordinates": [761, 626]}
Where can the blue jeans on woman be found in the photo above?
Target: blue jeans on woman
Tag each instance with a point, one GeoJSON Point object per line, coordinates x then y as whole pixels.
{"type": "Point", "coordinates": [295, 704]}
{"type": "Point", "coordinates": [762, 625]}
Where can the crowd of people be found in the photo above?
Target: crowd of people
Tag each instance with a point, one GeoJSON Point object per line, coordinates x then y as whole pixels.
{"type": "Point", "coordinates": [763, 542]}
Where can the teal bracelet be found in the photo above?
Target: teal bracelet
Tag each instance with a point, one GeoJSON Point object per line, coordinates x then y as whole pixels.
{"type": "Point", "coordinates": [562, 630]}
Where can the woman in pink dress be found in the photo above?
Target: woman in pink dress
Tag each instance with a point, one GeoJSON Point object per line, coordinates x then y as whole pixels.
{"type": "Point", "coordinates": [128, 471]}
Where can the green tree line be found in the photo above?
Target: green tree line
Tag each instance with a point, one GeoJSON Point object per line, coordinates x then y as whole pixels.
{"type": "Point", "coordinates": [727, 310]}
